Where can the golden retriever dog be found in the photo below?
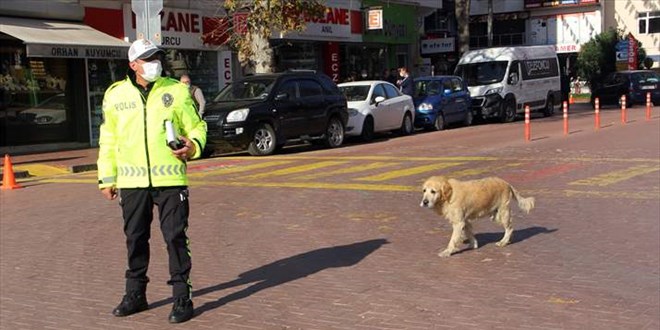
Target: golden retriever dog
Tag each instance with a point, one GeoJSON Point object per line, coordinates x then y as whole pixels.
{"type": "Point", "coordinates": [461, 202]}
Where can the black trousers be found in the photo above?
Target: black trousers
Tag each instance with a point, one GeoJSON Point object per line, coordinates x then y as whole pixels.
{"type": "Point", "coordinates": [137, 208]}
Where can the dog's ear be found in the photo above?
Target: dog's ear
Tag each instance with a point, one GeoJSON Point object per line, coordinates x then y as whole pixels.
{"type": "Point", "coordinates": [446, 191]}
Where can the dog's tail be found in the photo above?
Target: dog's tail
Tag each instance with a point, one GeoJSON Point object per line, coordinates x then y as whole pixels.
{"type": "Point", "coordinates": [524, 203]}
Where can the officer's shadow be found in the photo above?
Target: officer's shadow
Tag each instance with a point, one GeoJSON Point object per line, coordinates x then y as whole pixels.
{"type": "Point", "coordinates": [286, 270]}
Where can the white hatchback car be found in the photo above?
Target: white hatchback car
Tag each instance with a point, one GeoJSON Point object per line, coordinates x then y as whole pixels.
{"type": "Point", "coordinates": [377, 106]}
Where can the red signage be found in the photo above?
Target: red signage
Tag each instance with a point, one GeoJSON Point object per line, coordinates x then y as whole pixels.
{"type": "Point", "coordinates": [632, 52]}
{"type": "Point", "coordinates": [331, 54]}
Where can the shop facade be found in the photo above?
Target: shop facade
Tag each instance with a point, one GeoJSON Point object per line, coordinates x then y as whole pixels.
{"type": "Point", "coordinates": [50, 80]}
{"type": "Point", "coordinates": [55, 66]}
{"type": "Point", "coordinates": [186, 41]}
{"type": "Point", "coordinates": [567, 25]}
{"type": "Point", "coordinates": [340, 45]}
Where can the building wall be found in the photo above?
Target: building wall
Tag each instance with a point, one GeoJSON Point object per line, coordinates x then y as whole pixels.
{"type": "Point", "coordinates": [622, 14]}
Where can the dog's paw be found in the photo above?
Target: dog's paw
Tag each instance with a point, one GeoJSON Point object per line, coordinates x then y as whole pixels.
{"type": "Point", "coordinates": [444, 253]}
{"type": "Point", "coordinates": [502, 244]}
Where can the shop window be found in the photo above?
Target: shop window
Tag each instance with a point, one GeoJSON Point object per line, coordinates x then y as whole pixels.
{"type": "Point", "coordinates": [101, 74]}
{"type": "Point", "coordinates": [201, 66]}
{"type": "Point", "coordinates": [649, 22]}
{"type": "Point", "coordinates": [39, 104]}
{"type": "Point", "coordinates": [362, 62]}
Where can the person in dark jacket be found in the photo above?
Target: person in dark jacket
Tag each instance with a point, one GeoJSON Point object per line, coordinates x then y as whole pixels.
{"type": "Point", "coordinates": [406, 84]}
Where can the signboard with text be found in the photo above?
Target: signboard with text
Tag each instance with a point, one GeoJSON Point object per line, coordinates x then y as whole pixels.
{"type": "Point", "coordinates": [375, 19]}
{"type": "Point", "coordinates": [439, 45]}
{"type": "Point", "coordinates": [339, 23]}
{"type": "Point", "coordinates": [66, 51]}
{"type": "Point", "coordinates": [180, 28]}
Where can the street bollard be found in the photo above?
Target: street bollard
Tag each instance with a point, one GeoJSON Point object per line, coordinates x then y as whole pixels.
{"type": "Point", "coordinates": [597, 111]}
{"type": "Point", "coordinates": [648, 106]}
{"type": "Point", "coordinates": [623, 109]}
{"type": "Point", "coordinates": [527, 128]}
{"type": "Point", "coordinates": [565, 118]}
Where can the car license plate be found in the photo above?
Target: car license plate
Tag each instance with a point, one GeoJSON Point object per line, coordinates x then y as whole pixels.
{"type": "Point", "coordinates": [648, 87]}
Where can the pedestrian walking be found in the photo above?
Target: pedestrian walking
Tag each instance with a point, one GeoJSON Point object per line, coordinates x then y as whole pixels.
{"type": "Point", "coordinates": [406, 84]}
{"type": "Point", "coordinates": [136, 163]}
{"type": "Point", "coordinates": [196, 93]}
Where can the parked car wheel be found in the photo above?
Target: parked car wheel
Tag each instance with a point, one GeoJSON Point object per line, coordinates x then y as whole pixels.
{"type": "Point", "coordinates": [508, 112]}
{"type": "Point", "coordinates": [334, 133]}
{"type": "Point", "coordinates": [549, 107]}
{"type": "Point", "coordinates": [438, 124]}
{"type": "Point", "coordinates": [263, 142]}
{"type": "Point", "coordinates": [368, 129]}
{"type": "Point", "coordinates": [406, 125]}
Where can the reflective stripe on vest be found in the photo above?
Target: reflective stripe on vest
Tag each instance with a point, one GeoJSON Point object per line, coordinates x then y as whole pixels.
{"type": "Point", "coordinates": [132, 171]}
{"type": "Point", "coordinates": [160, 170]}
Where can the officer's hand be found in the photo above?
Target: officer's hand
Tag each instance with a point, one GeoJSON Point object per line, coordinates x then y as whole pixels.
{"type": "Point", "coordinates": [109, 193]}
{"type": "Point", "coordinates": [187, 151]}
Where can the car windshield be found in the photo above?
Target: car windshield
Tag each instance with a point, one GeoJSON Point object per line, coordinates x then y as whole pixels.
{"type": "Point", "coordinates": [427, 88]}
{"type": "Point", "coordinates": [646, 77]}
{"type": "Point", "coordinates": [355, 93]}
{"type": "Point", "coordinates": [253, 89]}
{"type": "Point", "coordinates": [477, 74]}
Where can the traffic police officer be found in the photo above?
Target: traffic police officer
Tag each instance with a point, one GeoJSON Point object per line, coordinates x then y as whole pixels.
{"type": "Point", "coordinates": [136, 164]}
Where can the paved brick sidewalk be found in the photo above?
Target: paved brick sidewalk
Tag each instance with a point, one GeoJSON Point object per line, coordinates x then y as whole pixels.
{"type": "Point", "coordinates": [289, 258]}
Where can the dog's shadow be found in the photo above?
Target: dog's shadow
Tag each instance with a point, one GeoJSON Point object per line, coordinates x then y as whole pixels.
{"type": "Point", "coordinates": [286, 270]}
{"type": "Point", "coordinates": [517, 236]}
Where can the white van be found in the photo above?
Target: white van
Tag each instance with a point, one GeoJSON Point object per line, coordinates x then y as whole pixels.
{"type": "Point", "coordinates": [503, 80]}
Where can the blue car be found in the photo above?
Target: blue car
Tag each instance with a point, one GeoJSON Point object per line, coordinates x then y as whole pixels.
{"type": "Point", "coordinates": [440, 101]}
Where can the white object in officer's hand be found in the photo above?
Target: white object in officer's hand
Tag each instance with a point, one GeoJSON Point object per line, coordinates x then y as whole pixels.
{"type": "Point", "coordinates": [172, 141]}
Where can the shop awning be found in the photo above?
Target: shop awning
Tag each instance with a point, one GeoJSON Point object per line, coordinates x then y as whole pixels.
{"type": "Point", "coordinates": [45, 38]}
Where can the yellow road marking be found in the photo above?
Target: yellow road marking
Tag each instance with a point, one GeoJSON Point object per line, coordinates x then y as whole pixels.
{"type": "Point", "coordinates": [311, 185]}
{"type": "Point", "coordinates": [477, 171]}
{"type": "Point", "coordinates": [41, 169]}
{"type": "Point", "coordinates": [614, 194]}
{"type": "Point", "coordinates": [456, 158]}
{"type": "Point", "coordinates": [354, 169]}
{"type": "Point", "coordinates": [88, 181]}
{"type": "Point", "coordinates": [616, 176]}
{"type": "Point", "coordinates": [238, 168]}
{"type": "Point", "coordinates": [381, 158]}
{"type": "Point", "coordinates": [406, 172]}
{"type": "Point", "coordinates": [643, 195]}
{"type": "Point", "coordinates": [292, 170]}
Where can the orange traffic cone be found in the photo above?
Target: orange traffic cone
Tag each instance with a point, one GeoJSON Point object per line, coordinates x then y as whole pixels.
{"type": "Point", "coordinates": [8, 179]}
{"type": "Point", "coordinates": [570, 99]}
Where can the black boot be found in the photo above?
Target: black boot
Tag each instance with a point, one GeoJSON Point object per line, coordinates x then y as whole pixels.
{"type": "Point", "coordinates": [133, 302]}
{"type": "Point", "coordinates": [182, 310]}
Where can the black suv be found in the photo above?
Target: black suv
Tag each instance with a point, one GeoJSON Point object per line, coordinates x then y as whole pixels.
{"type": "Point", "coordinates": [263, 112]}
{"type": "Point", "coordinates": [634, 84]}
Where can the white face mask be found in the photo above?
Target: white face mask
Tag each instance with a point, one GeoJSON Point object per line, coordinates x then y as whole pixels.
{"type": "Point", "coordinates": [152, 70]}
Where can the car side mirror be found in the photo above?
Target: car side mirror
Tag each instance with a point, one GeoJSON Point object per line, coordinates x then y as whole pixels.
{"type": "Point", "coordinates": [379, 99]}
{"type": "Point", "coordinates": [282, 97]}
{"type": "Point", "coordinates": [513, 78]}
{"type": "Point", "coordinates": [447, 91]}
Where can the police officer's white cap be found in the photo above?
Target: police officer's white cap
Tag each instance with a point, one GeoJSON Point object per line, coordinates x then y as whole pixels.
{"type": "Point", "coordinates": [141, 49]}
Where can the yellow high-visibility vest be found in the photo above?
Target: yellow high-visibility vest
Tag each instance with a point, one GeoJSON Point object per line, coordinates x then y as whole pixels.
{"type": "Point", "coordinates": [133, 150]}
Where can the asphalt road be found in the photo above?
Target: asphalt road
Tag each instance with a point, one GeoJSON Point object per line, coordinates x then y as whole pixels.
{"type": "Point", "coordinates": [335, 239]}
